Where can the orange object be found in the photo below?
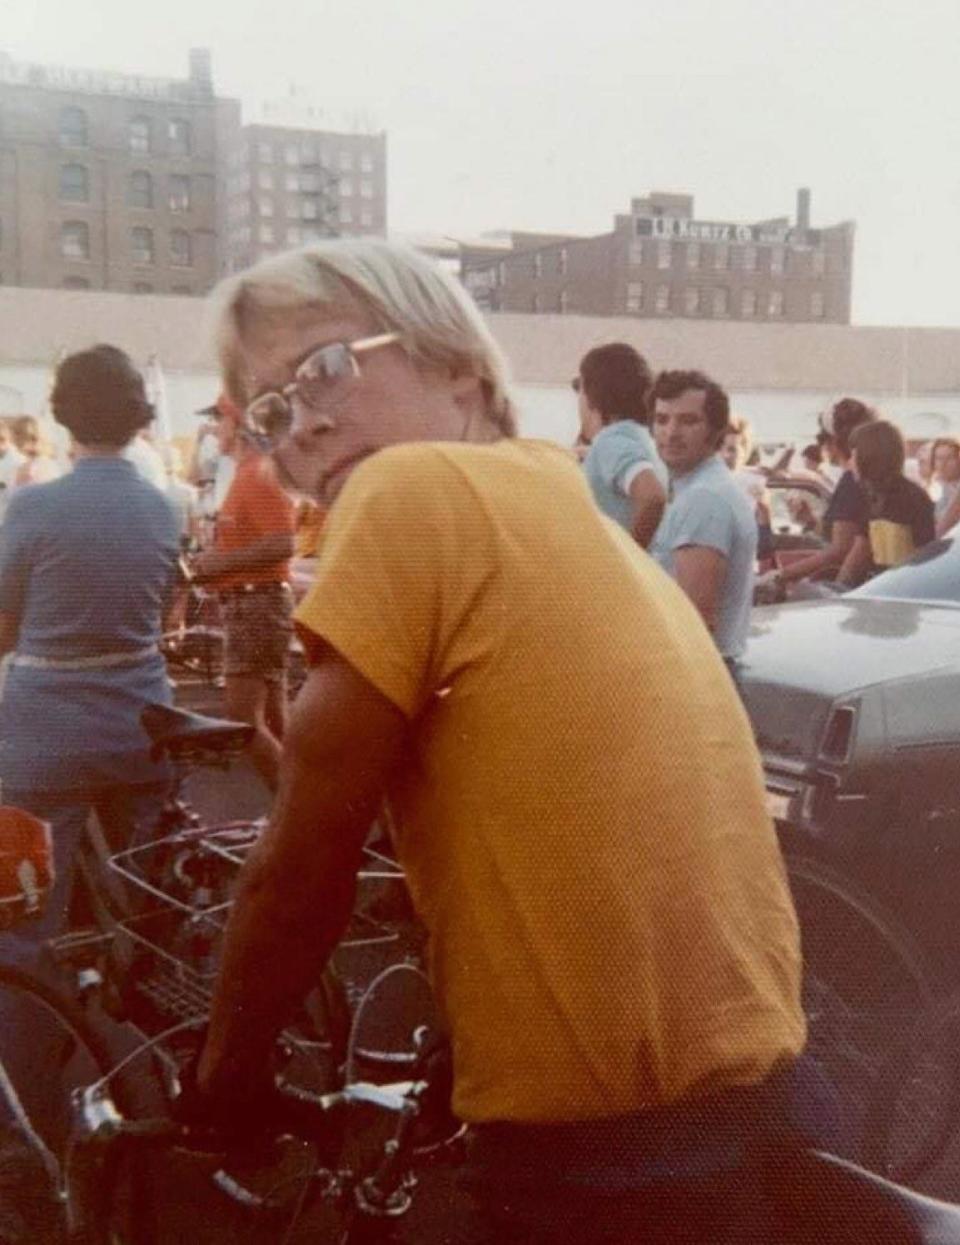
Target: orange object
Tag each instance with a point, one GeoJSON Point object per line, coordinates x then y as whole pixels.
{"type": "Point", "coordinates": [26, 864]}
{"type": "Point", "coordinates": [255, 506]}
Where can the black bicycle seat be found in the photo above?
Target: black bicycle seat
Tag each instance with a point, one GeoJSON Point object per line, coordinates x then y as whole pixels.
{"type": "Point", "coordinates": [179, 733]}
{"type": "Point", "coordinates": [825, 1200]}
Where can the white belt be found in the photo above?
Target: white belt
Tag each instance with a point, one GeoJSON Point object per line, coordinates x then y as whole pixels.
{"type": "Point", "coordinates": [103, 661]}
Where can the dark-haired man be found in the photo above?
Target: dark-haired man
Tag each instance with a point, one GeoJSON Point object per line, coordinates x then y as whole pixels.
{"type": "Point", "coordinates": [625, 474]}
{"type": "Point", "coordinates": [708, 537]}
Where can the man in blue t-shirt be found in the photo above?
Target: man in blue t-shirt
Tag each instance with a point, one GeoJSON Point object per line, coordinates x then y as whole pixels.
{"type": "Point", "coordinates": [708, 537]}
{"type": "Point", "coordinates": [623, 469]}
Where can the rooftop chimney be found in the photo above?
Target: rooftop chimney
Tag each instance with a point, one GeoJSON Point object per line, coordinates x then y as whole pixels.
{"type": "Point", "coordinates": [803, 210]}
{"type": "Point", "coordinates": [201, 74]}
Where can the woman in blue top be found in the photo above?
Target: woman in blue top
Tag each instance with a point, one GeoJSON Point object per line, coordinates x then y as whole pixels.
{"type": "Point", "coordinates": [622, 466]}
{"type": "Point", "coordinates": [87, 564]}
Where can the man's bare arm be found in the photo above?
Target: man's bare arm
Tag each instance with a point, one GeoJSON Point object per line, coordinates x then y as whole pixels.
{"type": "Point", "coordinates": [296, 891]}
{"type": "Point", "coordinates": [263, 552]}
{"type": "Point", "coordinates": [842, 536]}
{"type": "Point", "coordinates": [700, 572]}
{"type": "Point", "coordinates": [649, 498]}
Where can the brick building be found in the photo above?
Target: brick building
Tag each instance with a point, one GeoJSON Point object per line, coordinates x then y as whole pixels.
{"type": "Point", "coordinates": [660, 261]}
{"type": "Point", "coordinates": [290, 184]}
{"type": "Point", "coordinates": [111, 181]}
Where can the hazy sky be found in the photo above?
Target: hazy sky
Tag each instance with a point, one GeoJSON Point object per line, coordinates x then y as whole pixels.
{"type": "Point", "coordinates": [536, 115]}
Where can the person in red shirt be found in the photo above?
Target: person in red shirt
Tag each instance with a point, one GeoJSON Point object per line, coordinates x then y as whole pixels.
{"type": "Point", "coordinates": [249, 566]}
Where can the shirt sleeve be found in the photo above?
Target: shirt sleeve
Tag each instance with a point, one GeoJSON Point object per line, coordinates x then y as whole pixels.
{"type": "Point", "coordinates": [619, 460]}
{"type": "Point", "coordinates": [702, 517]}
{"type": "Point", "coordinates": [16, 558]}
{"type": "Point", "coordinates": [377, 597]}
{"type": "Point", "coordinates": [848, 503]}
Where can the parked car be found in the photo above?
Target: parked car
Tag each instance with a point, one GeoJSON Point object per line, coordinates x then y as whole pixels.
{"type": "Point", "coordinates": [797, 505]}
{"type": "Point", "coordinates": [855, 703]}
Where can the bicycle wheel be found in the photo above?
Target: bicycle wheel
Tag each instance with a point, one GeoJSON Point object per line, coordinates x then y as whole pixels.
{"type": "Point", "coordinates": [47, 1050]}
{"type": "Point", "coordinates": [865, 982]}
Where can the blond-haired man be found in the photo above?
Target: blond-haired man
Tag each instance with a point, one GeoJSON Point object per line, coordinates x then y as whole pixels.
{"type": "Point", "coordinates": [612, 940]}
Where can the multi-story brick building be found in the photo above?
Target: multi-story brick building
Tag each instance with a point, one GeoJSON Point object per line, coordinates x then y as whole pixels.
{"type": "Point", "coordinates": [111, 181]}
{"type": "Point", "coordinates": [660, 261]}
{"type": "Point", "coordinates": [290, 184]}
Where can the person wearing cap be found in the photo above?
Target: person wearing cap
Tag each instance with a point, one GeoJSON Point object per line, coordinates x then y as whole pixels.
{"type": "Point", "coordinates": [847, 513]}
{"type": "Point", "coordinates": [577, 800]}
{"type": "Point", "coordinates": [249, 567]}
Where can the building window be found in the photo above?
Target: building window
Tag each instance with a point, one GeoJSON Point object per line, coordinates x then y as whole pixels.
{"type": "Point", "coordinates": [346, 188]}
{"type": "Point", "coordinates": [265, 152]}
{"type": "Point", "coordinates": [309, 210]}
{"type": "Point", "coordinates": [721, 256]}
{"type": "Point", "coordinates": [308, 152]}
{"type": "Point", "coordinates": [818, 263]}
{"type": "Point", "coordinates": [563, 303]}
{"type": "Point", "coordinates": [635, 253]}
{"type": "Point", "coordinates": [634, 296]}
{"type": "Point", "coordinates": [693, 254]}
{"type": "Point", "coordinates": [817, 305]}
{"type": "Point", "coordinates": [179, 137]}
{"type": "Point", "coordinates": [366, 218]}
{"type": "Point", "coordinates": [292, 182]}
{"type": "Point", "coordinates": [778, 260]}
{"type": "Point", "coordinates": [76, 283]}
{"type": "Point", "coordinates": [265, 179]}
{"type": "Point", "coordinates": [562, 261]}
{"type": "Point", "coordinates": [346, 160]}
{"type": "Point", "coordinates": [75, 240]}
{"type": "Point", "coordinates": [721, 300]}
{"type": "Point", "coordinates": [501, 274]}
{"type": "Point", "coordinates": [748, 258]}
{"type": "Point", "coordinates": [266, 233]}
{"type": "Point", "coordinates": [181, 248]}
{"type": "Point", "coordinates": [748, 303]}
{"type": "Point", "coordinates": [291, 153]}
{"type": "Point", "coordinates": [366, 189]}
{"type": "Point", "coordinates": [179, 187]}
{"type": "Point", "coordinates": [73, 127]}
{"type": "Point", "coordinates": [691, 300]}
{"type": "Point", "coordinates": [141, 135]}
{"type": "Point", "coordinates": [266, 207]}
{"type": "Point", "coordinates": [293, 235]}
{"type": "Point", "coordinates": [346, 214]}
{"type": "Point", "coordinates": [142, 287]}
{"type": "Point", "coordinates": [140, 190]}
{"type": "Point", "coordinates": [538, 265]}
{"type": "Point", "coordinates": [775, 303]}
{"type": "Point", "coordinates": [664, 254]}
{"type": "Point", "coordinates": [662, 300]}
{"type": "Point", "coordinates": [141, 245]}
{"type": "Point", "coordinates": [74, 184]}
{"type": "Point", "coordinates": [366, 162]}
{"type": "Point", "coordinates": [309, 182]}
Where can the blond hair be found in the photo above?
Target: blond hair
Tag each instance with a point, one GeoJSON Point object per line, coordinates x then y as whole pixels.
{"type": "Point", "coordinates": [398, 288]}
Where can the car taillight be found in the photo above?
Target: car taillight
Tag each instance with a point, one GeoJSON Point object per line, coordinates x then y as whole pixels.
{"type": "Point", "coordinates": [838, 736]}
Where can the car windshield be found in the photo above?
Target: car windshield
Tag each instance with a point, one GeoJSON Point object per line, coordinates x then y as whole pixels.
{"type": "Point", "coordinates": [932, 574]}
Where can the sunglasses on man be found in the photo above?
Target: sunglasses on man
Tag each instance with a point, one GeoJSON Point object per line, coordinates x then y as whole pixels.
{"type": "Point", "coordinates": [271, 414]}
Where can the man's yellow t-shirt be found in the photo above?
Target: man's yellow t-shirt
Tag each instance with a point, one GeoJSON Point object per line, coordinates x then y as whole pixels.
{"type": "Point", "coordinates": [582, 818]}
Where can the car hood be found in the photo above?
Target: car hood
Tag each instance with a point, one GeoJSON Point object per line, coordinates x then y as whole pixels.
{"type": "Point", "coordinates": [835, 647]}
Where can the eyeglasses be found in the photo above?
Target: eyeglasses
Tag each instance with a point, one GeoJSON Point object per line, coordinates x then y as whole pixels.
{"type": "Point", "coordinates": [271, 414]}
{"type": "Point", "coordinates": [575, 384]}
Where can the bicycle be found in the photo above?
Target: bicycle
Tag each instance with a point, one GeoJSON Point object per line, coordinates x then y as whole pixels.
{"type": "Point", "coordinates": [144, 963]}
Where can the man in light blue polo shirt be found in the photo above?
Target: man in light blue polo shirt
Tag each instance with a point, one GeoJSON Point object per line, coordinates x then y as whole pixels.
{"type": "Point", "coordinates": [623, 469]}
{"type": "Point", "coordinates": [707, 539]}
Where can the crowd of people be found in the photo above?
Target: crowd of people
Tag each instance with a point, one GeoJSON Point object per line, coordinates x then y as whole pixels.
{"type": "Point", "coordinates": [529, 657]}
